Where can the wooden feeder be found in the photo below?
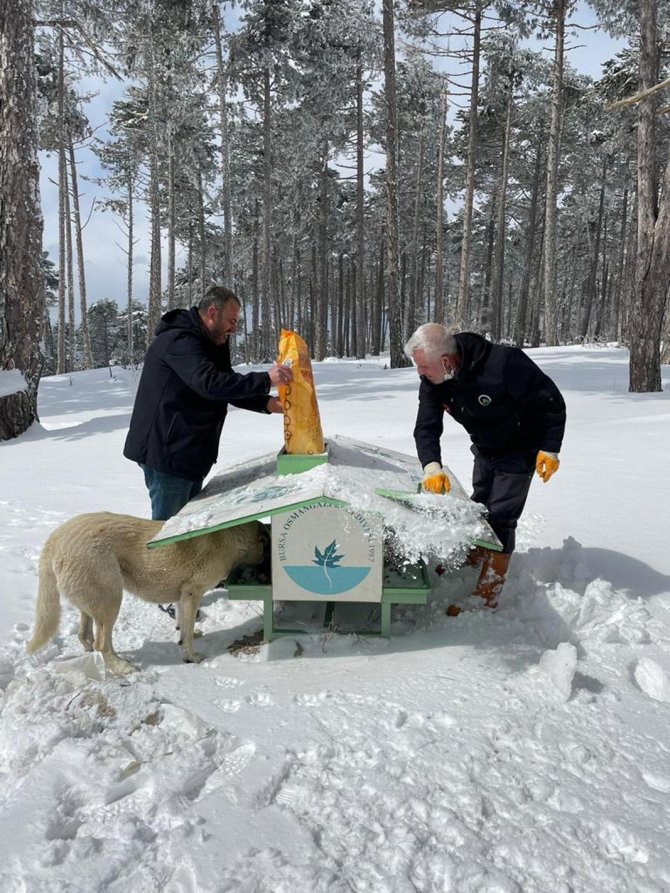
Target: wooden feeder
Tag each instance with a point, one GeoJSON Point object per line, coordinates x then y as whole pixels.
{"type": "Point", "coordinates": [325, 550]}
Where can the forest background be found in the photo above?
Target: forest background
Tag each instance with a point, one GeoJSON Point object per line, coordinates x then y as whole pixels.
{"type": "Point", "coordinates": [349, 169]}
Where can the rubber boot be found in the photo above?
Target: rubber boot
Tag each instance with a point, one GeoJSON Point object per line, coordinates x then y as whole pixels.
{"type": "Point", "coordinates": [473, 559]}
{"type": "Point", "coordinates": [490, 583]}
{"type": "Point", "coordinates": [475, 556]}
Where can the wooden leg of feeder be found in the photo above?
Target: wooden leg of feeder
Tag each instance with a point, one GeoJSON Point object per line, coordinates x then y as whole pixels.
{"type": "Point", "coordinates": [386, 620]}
{"type": "Point", "coordinates": [268, 618]}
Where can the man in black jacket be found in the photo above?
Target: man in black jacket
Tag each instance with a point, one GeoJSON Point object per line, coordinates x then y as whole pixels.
{"type": "Point", "coordinates": [515, 416]}
{"type": "Point", "coordinates": [182, 399]}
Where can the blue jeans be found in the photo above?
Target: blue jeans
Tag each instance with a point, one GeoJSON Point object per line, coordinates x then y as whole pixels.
{"type": "Point", "coordinates": [167, 492]}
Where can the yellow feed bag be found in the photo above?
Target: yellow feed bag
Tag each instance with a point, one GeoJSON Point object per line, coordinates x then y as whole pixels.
{"type": "Point", "coordinates": [302, 425]}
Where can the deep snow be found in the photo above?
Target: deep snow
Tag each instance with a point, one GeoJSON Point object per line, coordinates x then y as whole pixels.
{"type": "Point", "coordinates": [522, 751]}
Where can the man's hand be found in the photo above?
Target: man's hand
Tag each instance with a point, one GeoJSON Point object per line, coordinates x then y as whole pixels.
{"type": "Point", "coordinates": [434, 479]}
{"type": "Point", "coordinates": [274, 405]}
{"type": "Point", "coordinates": [279, 374]}
{"type": "Point", "coordinates": [546, 464]}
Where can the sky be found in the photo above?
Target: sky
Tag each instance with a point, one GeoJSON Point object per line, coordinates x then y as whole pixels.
{"type": "Point", "coordinates": [103, 239]}
{"type": "Point", "coordinates": [525, 750]}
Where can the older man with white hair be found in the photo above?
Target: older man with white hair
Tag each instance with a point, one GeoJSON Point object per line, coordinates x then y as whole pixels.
{"type": "Point", "coordinates": [515, 416]}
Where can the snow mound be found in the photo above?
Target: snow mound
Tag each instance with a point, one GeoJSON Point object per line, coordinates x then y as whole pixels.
{"type": "Point", "coordinates": [652, 679]}
{"type": "Point", "coordinates": [559, 668]}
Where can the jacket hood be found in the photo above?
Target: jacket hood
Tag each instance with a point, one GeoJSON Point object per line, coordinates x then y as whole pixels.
{"type": "Point", "coordinates": [474, 349]}
{"type": "Point", "coordinates": [179, 319]}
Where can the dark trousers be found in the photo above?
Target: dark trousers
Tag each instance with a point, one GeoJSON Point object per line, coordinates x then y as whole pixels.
{"type": "Point", "coordinates": [168, 493]}
{"type": "Point", "coordinates": [501, 483]}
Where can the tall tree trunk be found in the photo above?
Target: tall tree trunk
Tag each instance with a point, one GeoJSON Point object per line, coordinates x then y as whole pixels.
{"type": "Point", "coordinates": [71, 327]}
{"type": "Point", "coordinates": [411, 304]}
{"type": "Point", "coordinates": [338, 328]}
{"type": "Point", "coordinates": [21, 274]}
{"type": "Point", "coordinates": [497, 274]}
{"type": "Point", "coordinates": [592, 281]}
{"type": "Point", "coordinates": [322, 298]}
{"type": "Point", "coordinates": [376, 316]}
{"type": "Point", "coordinates": [154, 309]}
{"type": "Point", "coordinates": [267, 213]}
{"type": "Point", "coordinates": [255, 303]}
{"type": "Point", "coordinates": [171, 222]}
{"type": "Point", "coordinates": [79, 242]}
{"type": "Point", "coordinates": [618, 273]}
{"type": "Point", "coordinates": [202, 231]}
{"type": "Point", "coordinates": [61, 365]}
{"type": "Point", "coordinates": [520, 330]}
{"type": "Point", "coordinates": [439, 217]}
{"type": "Point", "coordinates": [485, 310]}
{"type": "Point", "coordinates": [392, 276]}
{"type": "Point", "coordinates": [360, 219]}
{"type": "Point", "coordinates": [652, 270]}
{"type": "Point", "coordinates": [226, 189]}
{"type": "Point", "coordinates": [628, 286]}
{"type": "Point", "coordinates": [129, 271]}
{"type": "Point", "coordinates": [295, 276]}
{"type": "Point", "coordinates": [468, 200]}
{"type": "Point", "coordinates": [551, 209]}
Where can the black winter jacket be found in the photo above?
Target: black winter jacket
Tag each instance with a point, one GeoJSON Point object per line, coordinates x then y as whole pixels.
{"type": "Point", "coordinates": [182, 398]}
{"type": "Point", "coordinates": [500, 396]}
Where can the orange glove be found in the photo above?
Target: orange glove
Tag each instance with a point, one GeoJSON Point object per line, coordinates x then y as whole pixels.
{"type": "Point", "coordinates": [434, 479]}
{"type": "Point", "coordinates": [546, 464]}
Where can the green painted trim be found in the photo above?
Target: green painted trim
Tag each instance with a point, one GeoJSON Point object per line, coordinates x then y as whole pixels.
{"type": "Point", "coordinates": [295, 463]}
{"type": "Point", "coordinates": [487, 544]}
{"type": "Point", "coordinates": [266, 513]}
{"type": "Point", "coordinates": [385, 630]}
{"type": "Point", "coordinates": [415, 594]}
{"type": "Point", "coordinates": [405, 596]}
{"type": "Point", "coordinates": [249, 592]}
{"type": "Point", "coordinates": [402, 496]}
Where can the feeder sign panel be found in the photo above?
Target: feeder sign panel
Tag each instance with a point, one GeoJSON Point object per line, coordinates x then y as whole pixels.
{"type": "Point", "coordinates": [326, 552]}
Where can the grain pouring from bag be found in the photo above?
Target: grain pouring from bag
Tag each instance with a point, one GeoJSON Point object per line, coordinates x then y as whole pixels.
{"type": "Point", "coordinates": [302, 425]}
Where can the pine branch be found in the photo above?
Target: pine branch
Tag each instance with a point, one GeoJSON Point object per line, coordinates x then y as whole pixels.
{"type": "Point", "coordinates": [638, 97]}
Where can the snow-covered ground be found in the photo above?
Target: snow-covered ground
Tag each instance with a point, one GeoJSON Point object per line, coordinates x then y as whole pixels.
{"type": "Point", "coordinates": [522, 751]}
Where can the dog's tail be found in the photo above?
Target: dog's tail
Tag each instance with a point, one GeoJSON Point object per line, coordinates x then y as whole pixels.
{"type": "Point", "coordinates": [47, 615]}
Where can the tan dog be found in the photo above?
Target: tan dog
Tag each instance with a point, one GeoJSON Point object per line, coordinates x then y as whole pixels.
{"type": "Point", "coordinates": [92, 558]}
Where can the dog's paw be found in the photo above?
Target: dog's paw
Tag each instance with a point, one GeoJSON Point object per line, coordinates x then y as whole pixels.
{"type": "Point", "coordinates": [119, 667]}
{"type": "Point", "coordinates": [193, 658]}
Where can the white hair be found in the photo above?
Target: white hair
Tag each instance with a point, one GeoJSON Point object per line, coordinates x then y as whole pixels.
{"type": "Point", "coordinates": [434, 339]}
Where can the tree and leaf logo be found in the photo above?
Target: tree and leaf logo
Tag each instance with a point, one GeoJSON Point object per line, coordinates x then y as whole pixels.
{"type": "Point", "coordinates": [327, 558]}
{"type": "Point", "coordinates": [327, 577]}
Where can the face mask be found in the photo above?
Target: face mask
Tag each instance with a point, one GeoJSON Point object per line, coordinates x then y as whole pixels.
{"type": "Point", "coordinates": [449, 371]}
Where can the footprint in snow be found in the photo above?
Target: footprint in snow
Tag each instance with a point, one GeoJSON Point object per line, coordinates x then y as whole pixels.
{"type": "Point", "coordinates": [228, 682]}
{"type": "Point", "coordinates": [231, 765]}
{"type": "Point", "coordinates": [660, 783]}
{"type": "Point", "coordinates": [312, 700]}
{"type": "Point", "coordinates": [228, 706]}
{"type": "Point", "coordinates": [260, 699]}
